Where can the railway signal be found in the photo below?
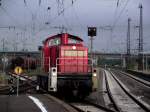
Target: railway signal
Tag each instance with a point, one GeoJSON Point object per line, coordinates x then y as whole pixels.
{"type": "Point", "coordinates": [40, 48]}
{"type": "Point", "coordinates": [92, 31]}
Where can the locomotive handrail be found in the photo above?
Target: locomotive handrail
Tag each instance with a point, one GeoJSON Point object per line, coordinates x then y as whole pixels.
{"type": "Point", "coordinates": [73, 59]}
{"type": "Point", "coordinates": [81, 64]}
{"type": "Point", "coordinates": [77, 64]}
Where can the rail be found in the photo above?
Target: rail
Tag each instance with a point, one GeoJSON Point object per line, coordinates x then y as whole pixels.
{"type": "Point", "coordinates": [142, 81]}
{"type": "Point", "coordinates": [110, 95]}
{"type": "Point", "coordinates": [86, 106]}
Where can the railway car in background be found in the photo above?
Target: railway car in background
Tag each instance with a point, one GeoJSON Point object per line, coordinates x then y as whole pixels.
{"type": "Point", "coordinates": [67, 66]}
{"type": "Point", "coordinates": [27, 63]}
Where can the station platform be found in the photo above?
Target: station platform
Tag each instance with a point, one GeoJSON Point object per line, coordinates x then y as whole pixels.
{"type": "Point", "coordinates": [33, 103]}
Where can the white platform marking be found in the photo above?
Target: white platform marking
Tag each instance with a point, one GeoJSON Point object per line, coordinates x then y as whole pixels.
{"type": "Point", "coordinates": [38, 103]}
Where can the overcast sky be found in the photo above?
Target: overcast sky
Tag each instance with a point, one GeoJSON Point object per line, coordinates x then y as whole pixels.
{"type": "Point", "coordinates": [29, 18]}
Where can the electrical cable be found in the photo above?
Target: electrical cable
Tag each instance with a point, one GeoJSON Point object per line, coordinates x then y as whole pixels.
{"type": "Point", "coordinates": [11, 18]}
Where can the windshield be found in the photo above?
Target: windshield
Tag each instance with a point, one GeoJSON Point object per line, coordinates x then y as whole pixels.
{"type": "Point", "coordinates": [73, 41]}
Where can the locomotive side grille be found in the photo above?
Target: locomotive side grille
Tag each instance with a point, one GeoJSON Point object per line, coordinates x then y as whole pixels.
{"type": "Point", "coordinates": [74, 53]}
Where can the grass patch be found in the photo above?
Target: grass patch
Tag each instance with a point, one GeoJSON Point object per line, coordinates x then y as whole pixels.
{"type": "Point", "coordinates": [3, 79]}
{"type": "Point", "coordinates": [38, 71]}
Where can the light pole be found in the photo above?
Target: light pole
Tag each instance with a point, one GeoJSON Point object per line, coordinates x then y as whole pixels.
{"type": "Point", "coordinates": [128, 45]}
{"type": "Point", "coordinates": [146, 62]}
{"type": "Point", "coordinates": [121, 60]}
{"type": "Point", "coordinates": [143, 61]}
{"type": "Point", "coordinates": [40, 49]}
{"type": "Point", "coordinates": [91, 47]}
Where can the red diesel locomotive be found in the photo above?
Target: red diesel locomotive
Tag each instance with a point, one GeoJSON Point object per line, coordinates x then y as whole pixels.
{"type": "Point", "coordinates": [66, 62]}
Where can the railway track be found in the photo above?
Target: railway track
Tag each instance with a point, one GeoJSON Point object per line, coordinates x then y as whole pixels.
{"type": "Point", "coordinates": [80, 106]}
{"type": "Point", "coordinates": [139, 74]}
{"type": "Point", "coordinates": [26, 85]}
{"type": "Point", "coordinates": [4, 90]}
{"type": "Point", "coordinates": [89, 107]}
{"type": "Point", "coordinates": [134, 88]}
{"type": "Point", "coordinates": [110, 95]}
{"type": "Point", "coordinates": [123, 100]}
{"type": "Point", "coordinates": [144, 82]}
{"type": "Point", "coordinates": [120, 97]}
{"type": "Point", "coordinates": [12, 89]}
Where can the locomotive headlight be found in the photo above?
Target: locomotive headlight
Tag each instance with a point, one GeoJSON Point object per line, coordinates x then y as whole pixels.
{"type": "Point", "coordinates": [94, 74]}
{"type": "Point", "coordinates": [73, 47]}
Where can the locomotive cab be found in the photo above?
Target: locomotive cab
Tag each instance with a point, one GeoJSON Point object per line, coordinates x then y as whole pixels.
{"type": "Point", "coordinates": [65, 59]}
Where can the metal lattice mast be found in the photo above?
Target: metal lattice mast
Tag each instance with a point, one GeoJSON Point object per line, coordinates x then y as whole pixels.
{"type": "Point", "coordinates": [141, 30]}
{"type": "Point", "coordinates": [128, 37]}
{"type": "Point", "coordinates": [140, 49]}
{"type": "Point", "coordinates": [128, 45]}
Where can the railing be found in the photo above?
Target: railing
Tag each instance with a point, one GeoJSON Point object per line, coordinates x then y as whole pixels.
{"type": "Point", "coordinates": [74, 65]}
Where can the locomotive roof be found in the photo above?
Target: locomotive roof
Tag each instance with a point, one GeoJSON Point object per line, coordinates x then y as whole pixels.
{"type": "Point", "coordinates": [59, 35]}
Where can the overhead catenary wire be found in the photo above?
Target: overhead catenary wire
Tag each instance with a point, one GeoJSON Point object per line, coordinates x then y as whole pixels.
{"type": "Point", "coordinates": [34, 15]}
{"type": "Point", "coordinates": [61, 13]}
{"type": "Point", "coordinates": [77, 17]}
{"type": "Point", "coordinates": [117, 3]}
{"type": "Point", "coordinates": [117, 7]}
{"type": "Point", "coordinates": [66, 21]}
{"type": "Point", "coordinates": [13, 19]}
{"type": "Point", "coordinates": [43, 18]}
{"type": "Point", "coordinates": [10, 16]}
{"type": "Point", "coordinates": [49, 8]}
{"type": "Point", "coordinates": [16, 21]}
{"type": "Point", "coordinates": [61, 2]}
{"type": "Point", "coordinates": [121, 12]}
{"type": "Point", "coordinates": [60, 6]}
{"type": "Point", "coordinates": [65, 8]}
{"type": "Point", "coordinates": [25, 2]}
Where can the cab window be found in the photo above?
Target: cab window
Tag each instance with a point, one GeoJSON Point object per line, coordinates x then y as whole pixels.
{"type": "Point", "coordinates": [53, 42]}
{"type": "Point", "coordinates": [73, 41]}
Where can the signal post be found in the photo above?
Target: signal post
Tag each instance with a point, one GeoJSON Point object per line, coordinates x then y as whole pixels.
{"type": "Point", "coordinates": [92, 33]}
{"type": "Point", "coordinates": [18, 70]}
